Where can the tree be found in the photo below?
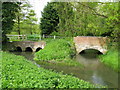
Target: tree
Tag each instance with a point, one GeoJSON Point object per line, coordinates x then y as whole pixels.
{"type": "Point", "coordinates": [25, 22]}
{"type": "Point", "coordinates": [66, 18]}
{"type": "Point", "coordinates": [112, 18]}
{"type": "Point", "coordinates": [82, 19]}
{"type": "Point", "coordinates": [9, 10]}
{"type": "Point", "coordinates": [23, 10]}
{"type": "Point", "coordinates": [50, 19]}
{"type": "Point", "coordinates": [31, 20]}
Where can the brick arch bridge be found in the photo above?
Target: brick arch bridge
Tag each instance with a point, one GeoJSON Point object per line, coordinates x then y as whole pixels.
{"type": "Point", "coordinates": [24, 45]}
{"type": "Point", "coordinates": [89, 42]}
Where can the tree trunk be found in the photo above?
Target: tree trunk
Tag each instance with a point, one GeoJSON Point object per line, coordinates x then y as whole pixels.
{"type": "Point", "coordinates": [19, 25]}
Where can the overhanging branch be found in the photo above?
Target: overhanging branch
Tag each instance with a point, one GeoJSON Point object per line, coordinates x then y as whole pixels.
{"type": "Point", "coordinates": [95, 12]}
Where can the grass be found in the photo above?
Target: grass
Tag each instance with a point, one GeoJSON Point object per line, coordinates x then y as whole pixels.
{"type": "Point", "coordinates": [111, 59]}
{"type": "Point", "coordinates": [17, 72]}
{"type": "Point", "coordinates": [59, 51]}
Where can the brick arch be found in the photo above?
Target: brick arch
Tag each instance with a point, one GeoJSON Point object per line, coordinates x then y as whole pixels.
{"type": "Point", "coordinates": [86, 42]}
{"type": "Point", "coordinates": [18, 48]}
{"type": "Point", "coordinates": [24, 44]}
{"type": "Point", "coordinates": [28, 49]}
{"type": "Point", "coordinates": [38, 48]}
{"type": "Point", "coordinates": [91, 49]}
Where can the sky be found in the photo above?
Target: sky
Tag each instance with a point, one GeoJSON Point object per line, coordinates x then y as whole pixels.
{"type": "Point", "coordinates": [38, 6]}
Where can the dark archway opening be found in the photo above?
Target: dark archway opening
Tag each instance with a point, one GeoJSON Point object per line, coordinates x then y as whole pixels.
{"type": "Point", "coordinates": [18, 49]}
{"type": "Point", "coordinates": [90, 53]}
{"type": "Point", "coordinates": [28, 49]}
{"type": "Point", "coordinates": [38, 49]}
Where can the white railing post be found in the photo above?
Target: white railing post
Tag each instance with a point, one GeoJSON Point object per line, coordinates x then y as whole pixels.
{"type": "Point", "coordinates": [43, 36]}
{"type": "Point", "coordinates": [18, 37]}
{"type": "Point", "coordinates": [54, 37]}
{"type": "Point", "coordinates": [40, 37]}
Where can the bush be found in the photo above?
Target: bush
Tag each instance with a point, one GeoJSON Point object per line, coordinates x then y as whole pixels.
{"type": "Point", "coordinates": [34, 37]}
{"type": "Point", "coordinates": [17, 72]}
{"type": "Point", "coordinates": [111, 59]}
{"type": "Point", "coordinates": [58, 50]}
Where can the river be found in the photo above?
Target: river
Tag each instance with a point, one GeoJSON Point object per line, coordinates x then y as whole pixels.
{"type": "Point", "coordinates": [94, 71]}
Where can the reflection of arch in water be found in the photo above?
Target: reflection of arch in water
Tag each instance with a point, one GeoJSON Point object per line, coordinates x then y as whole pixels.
{"type": "Point", "coordinates": [89, 51]}
{"type": "Point", "coordinates": [39, 48]}
{"type": "Point", "coordinates": [18, 49]}
{"type": "Point", "coordinates": [28, 49]}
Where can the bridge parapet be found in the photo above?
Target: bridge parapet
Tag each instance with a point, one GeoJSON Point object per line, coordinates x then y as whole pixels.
{"type": "Point", "coordinates": [98, 43]}
{"type": "Point", "coordinates": [25, 44]}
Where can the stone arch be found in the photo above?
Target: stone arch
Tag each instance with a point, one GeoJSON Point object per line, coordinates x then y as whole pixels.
{"type": "Point", "coordinates": [28, 49]}
{"type": "Point", "coordinates": [18, 48]}
{"type": "Point", "coordinates": [100, 51]}
{"type": "Point", "coordinates": [37, 49]}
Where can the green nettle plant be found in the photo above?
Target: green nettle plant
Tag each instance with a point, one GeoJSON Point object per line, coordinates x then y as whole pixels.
{"type": "Point", "coordinates": [17, 72]}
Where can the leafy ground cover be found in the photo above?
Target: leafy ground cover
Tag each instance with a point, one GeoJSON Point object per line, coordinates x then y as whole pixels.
{"type": "Point", "coordinates": [59, 51]}
{"type": "Point", "coordinates": [111, 59]}
{"type": "Point", "coordinates": [17, 72]}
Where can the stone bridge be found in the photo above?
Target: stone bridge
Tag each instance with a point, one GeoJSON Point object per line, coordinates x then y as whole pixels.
{"type": "Point", "coordinates": [87, 42]}
{"type": "Point", "coordinates": [26, 45]}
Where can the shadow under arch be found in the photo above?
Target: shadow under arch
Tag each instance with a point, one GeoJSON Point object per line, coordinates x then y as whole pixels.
{"type": "Point", "coordinates": [28, 49]}
{"type": "Point", "coordinates": [18, 49]}
{"type": "Point", "coordinates": [39, 48]}
{"type": "Point", "coordinates": [90, 53]}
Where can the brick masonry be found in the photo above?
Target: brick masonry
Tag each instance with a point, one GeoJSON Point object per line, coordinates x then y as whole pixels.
{"type": "Point", "coordinates": [86, 42]}
{"type": "Point", "coordinates": [24, 44]}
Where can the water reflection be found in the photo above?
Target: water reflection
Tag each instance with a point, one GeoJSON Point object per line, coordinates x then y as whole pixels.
{"type": "Point", "coordinates": [97, 72]}
{"type": "Point", "coordinates": [97, 79]}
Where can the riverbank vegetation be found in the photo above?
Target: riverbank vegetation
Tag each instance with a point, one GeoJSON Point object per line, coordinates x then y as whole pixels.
{"type": "Point", "coordinates": [111, 59]}
{"type": "Point", "coordinates": [58, 51]}
{"type": "Point", "coordinates": [17, 72]}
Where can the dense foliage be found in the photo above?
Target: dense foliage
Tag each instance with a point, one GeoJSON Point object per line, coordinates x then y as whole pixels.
{"type": "Point", "coordinates": [17, 72]}
{"type": "Point", "coordinates": [18, 18]}
{"type": "Point", "coordinates": [49, 20]}
{"type": "Point", "coordinates": [58, 50]}
{"type": "Point", "coordinates": [26, 21]}
{"type": "Point", "coordinates": [9, 10]}
{"type": "Point", "coordinates": [111, 59]}
{"type": "Point", "coordinates": [84, 18]}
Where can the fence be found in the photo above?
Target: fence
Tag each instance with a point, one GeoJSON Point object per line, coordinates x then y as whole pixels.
{"type": "Point", "coordinates": [31, 37]}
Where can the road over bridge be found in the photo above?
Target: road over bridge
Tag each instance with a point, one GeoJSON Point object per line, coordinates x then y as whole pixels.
{"type": "Point", "coordinates": [26, 45]}
{"type": "Point", "coordinates": [87, 42]}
